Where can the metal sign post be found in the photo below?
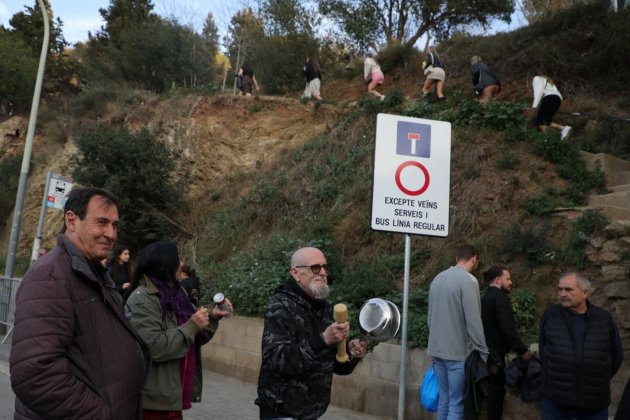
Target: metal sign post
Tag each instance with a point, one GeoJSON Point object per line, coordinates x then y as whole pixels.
{"type": "Point", "coordinates": [411, 191]}
{"type": "Point", "coordinates": [28, 149]}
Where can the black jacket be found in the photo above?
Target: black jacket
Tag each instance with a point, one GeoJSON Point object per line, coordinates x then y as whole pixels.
{"type": "Point", "coordinates": [483, 76]}
{"type": "Point", "coordinates": [498, 323]}
{"type": "Point", "coordinates": [297, 366]}
{"type": "Point", "coordinates": [475, 385]}
{"type": "Point", "coordinates": [311, 72]}
{"type": "Point", "coordinates": [577, 374]}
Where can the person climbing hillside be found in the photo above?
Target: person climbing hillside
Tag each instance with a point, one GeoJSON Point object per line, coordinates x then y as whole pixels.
{"type": "Point", "coordinates": [313, 79]}
{"type": "Point", "coordinates": [373, 75]}
{"type": "Point", "coordinates": [547, 101]}
{"type": "Point", "coordinates": [485, 82]}
{"type": "Point", "coordinates": [434, 70]}
{"type": "Point", "coordinates": [249, 80]}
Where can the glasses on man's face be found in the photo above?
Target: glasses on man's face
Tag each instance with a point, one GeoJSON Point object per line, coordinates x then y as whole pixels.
{"type": "Point", "coordinates": [315, 268]}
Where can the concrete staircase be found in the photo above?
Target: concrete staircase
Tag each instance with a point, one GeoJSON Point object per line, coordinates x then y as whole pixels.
{"type": "Point", "coordinates": [616, 204]}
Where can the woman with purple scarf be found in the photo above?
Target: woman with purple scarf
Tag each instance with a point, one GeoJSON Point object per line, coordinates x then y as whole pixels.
{"type": "Point", "coordinates": [160, 311]}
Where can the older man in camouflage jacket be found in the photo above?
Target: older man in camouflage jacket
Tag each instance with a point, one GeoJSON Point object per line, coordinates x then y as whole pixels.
{"type": "Point", "coordinates": [299, 344]}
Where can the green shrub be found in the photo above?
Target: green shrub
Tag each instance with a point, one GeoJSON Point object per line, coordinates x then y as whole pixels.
{"type": "Point", "coordinates": [581, 229]}
{"type": "Point", "coordinates": [531, 241]}
{"type": "Point", "coordinates": [398, 55]}
{"type": "Point", "coordinates": [138, 168]}
{"type": "Point", "coordinates": [498, 115]}
{"type": "Point", "coordinates": [94, 98]}
{"type": "Point", "coordinates": [524, 308]}
{"type": "Point", "coordinates": [543, 203]}
{"type": "Point", "coordinates": [10, 176]}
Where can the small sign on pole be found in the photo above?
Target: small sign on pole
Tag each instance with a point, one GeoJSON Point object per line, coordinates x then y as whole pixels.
{"type": "Point", "coordinates": [58, 191]}
{"type": "Point", "coordinates": [55, 194]}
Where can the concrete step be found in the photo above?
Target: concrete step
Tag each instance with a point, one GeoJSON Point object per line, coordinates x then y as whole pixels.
{"type": "Point", "coordinates": [617, 170]}
{"type": "Point", "coordinates": [611, 212]}
{"type": "Point", "coordinates": [619, 188]}
{"type": "Point", "coordinates": [619, 178]}
{"type": "Point", "coordinates": [619, 199]}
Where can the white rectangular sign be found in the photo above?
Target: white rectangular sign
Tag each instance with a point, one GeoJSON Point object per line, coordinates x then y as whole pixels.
{"type": "Point", "coordinates": [412, 175]}
{"type": "Point", "coordinates": [58, 191]}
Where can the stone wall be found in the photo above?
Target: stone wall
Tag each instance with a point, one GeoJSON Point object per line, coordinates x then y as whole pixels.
{"type": "Point", "coordinates": [609, 252]}
{"type": "Point", "coordinates": [372, 388]}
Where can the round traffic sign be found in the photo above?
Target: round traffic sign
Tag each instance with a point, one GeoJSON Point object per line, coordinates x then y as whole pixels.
{"type": "Point", "coordinates": [424, 171]}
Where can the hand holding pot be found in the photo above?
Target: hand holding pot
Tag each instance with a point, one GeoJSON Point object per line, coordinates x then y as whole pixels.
{"type": "Point", "coordinates": [357, 348]}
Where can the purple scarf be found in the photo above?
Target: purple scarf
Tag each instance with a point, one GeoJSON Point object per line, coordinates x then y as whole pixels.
{"type": "Point", "coordinates": [174, 299]}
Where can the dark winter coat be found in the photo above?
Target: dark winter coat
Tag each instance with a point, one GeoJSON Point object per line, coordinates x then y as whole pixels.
{"type": "Point", "coordinates": [483, 76]}
{"type": "Point", "coordinates": [475, 385]}
{"type": "Point", "coordinates": [297, 365]}
{"type": "Point", "coordinates": [498, 323]}
{"type": "Point", "coordinates": [74, 355]}
{"type": "Point", "coordinates": [568, 380]}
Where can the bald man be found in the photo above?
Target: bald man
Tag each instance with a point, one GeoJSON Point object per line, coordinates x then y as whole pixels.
{"type": "Point", "coordinates": [299, 344]}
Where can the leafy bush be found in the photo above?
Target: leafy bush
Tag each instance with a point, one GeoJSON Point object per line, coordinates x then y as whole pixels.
{"type": "Point", "coordinates": [581, 229]}
{"type": "Point", "coordinates": [524, 308]}
{"type": "Point", "coordinates": [571, 167]}
{"type": "Point", "coordinates": [10, 176]}
{"type": "Point", "coordinates": [543, 203]}
{"type": "Point", "coordinates": [278, 61]}
{"type": "Point", "coordinates": [138, 168]}
{"type": "Point", "coordinates": [531, 241]}
{"type": "Point", "coordinates": [398, 55]}
{"type": "Point", "coordinates": [94, 98]}
{"type": "Point", "coordinates": [609, 136]}
{"type": "Point", "coordinates": [18, 68]}
{"type": "Point", "coordinates": [155, 55]}
{"type": "Point", "coordinates": [499, 115]}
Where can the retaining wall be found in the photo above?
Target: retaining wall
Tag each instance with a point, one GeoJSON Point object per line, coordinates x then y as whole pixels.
{"type": "Point", "coordinates": [372, 388]}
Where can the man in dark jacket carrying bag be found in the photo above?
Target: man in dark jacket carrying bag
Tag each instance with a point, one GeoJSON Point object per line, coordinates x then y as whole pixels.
{"type": "Point", "coordinates": [74, 355]}
{"type": "Point", "coordinates": [580, 349]}
{"type": "Point", "coordinates": [500, 332]}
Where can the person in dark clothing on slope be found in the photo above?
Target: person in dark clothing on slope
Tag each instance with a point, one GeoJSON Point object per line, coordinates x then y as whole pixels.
{"type": "Point", "coordinates": [500, 332]}
{"type": "Point", "coordinates": [299, 344]}
{"type": "Point", "coordinates": [246, 74]}
{"type": "Point", "coordinates": [485, 82]}
{"type": "Point", "coordinates": [580, 350]}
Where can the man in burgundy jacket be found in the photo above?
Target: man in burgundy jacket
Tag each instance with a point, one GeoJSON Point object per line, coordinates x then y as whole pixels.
{"type": "Point", "coordinates": [74, 355]}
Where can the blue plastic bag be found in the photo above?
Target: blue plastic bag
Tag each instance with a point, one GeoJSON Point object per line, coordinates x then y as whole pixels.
{"type": "Point", "coordinates": [429, 395]}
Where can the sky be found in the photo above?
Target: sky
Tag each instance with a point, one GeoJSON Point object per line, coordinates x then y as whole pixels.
{"type": "Point", "coordinates": [81, 16]}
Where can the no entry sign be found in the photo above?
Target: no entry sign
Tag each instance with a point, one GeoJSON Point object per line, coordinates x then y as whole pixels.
{"type": "Point", "coordinates": [412, 175]}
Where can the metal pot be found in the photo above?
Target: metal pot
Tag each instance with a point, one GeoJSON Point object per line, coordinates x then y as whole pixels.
{"type": "Point", "coordinates": [379, 319]}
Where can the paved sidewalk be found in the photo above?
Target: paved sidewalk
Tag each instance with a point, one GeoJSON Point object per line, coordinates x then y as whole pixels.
{"type": "Point", "coordinates": [223, 398]}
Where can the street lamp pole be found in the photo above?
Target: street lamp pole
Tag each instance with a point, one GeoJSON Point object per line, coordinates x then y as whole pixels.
{"type": "Point", "coordinates": [28, 149]}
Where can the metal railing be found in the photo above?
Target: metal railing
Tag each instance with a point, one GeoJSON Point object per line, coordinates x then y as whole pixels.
{"type": "Point", "coordinates": [8, 288]}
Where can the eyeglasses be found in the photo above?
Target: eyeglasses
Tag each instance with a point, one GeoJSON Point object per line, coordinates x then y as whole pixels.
{"type": "Point", "coordinates": [315, 268]}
